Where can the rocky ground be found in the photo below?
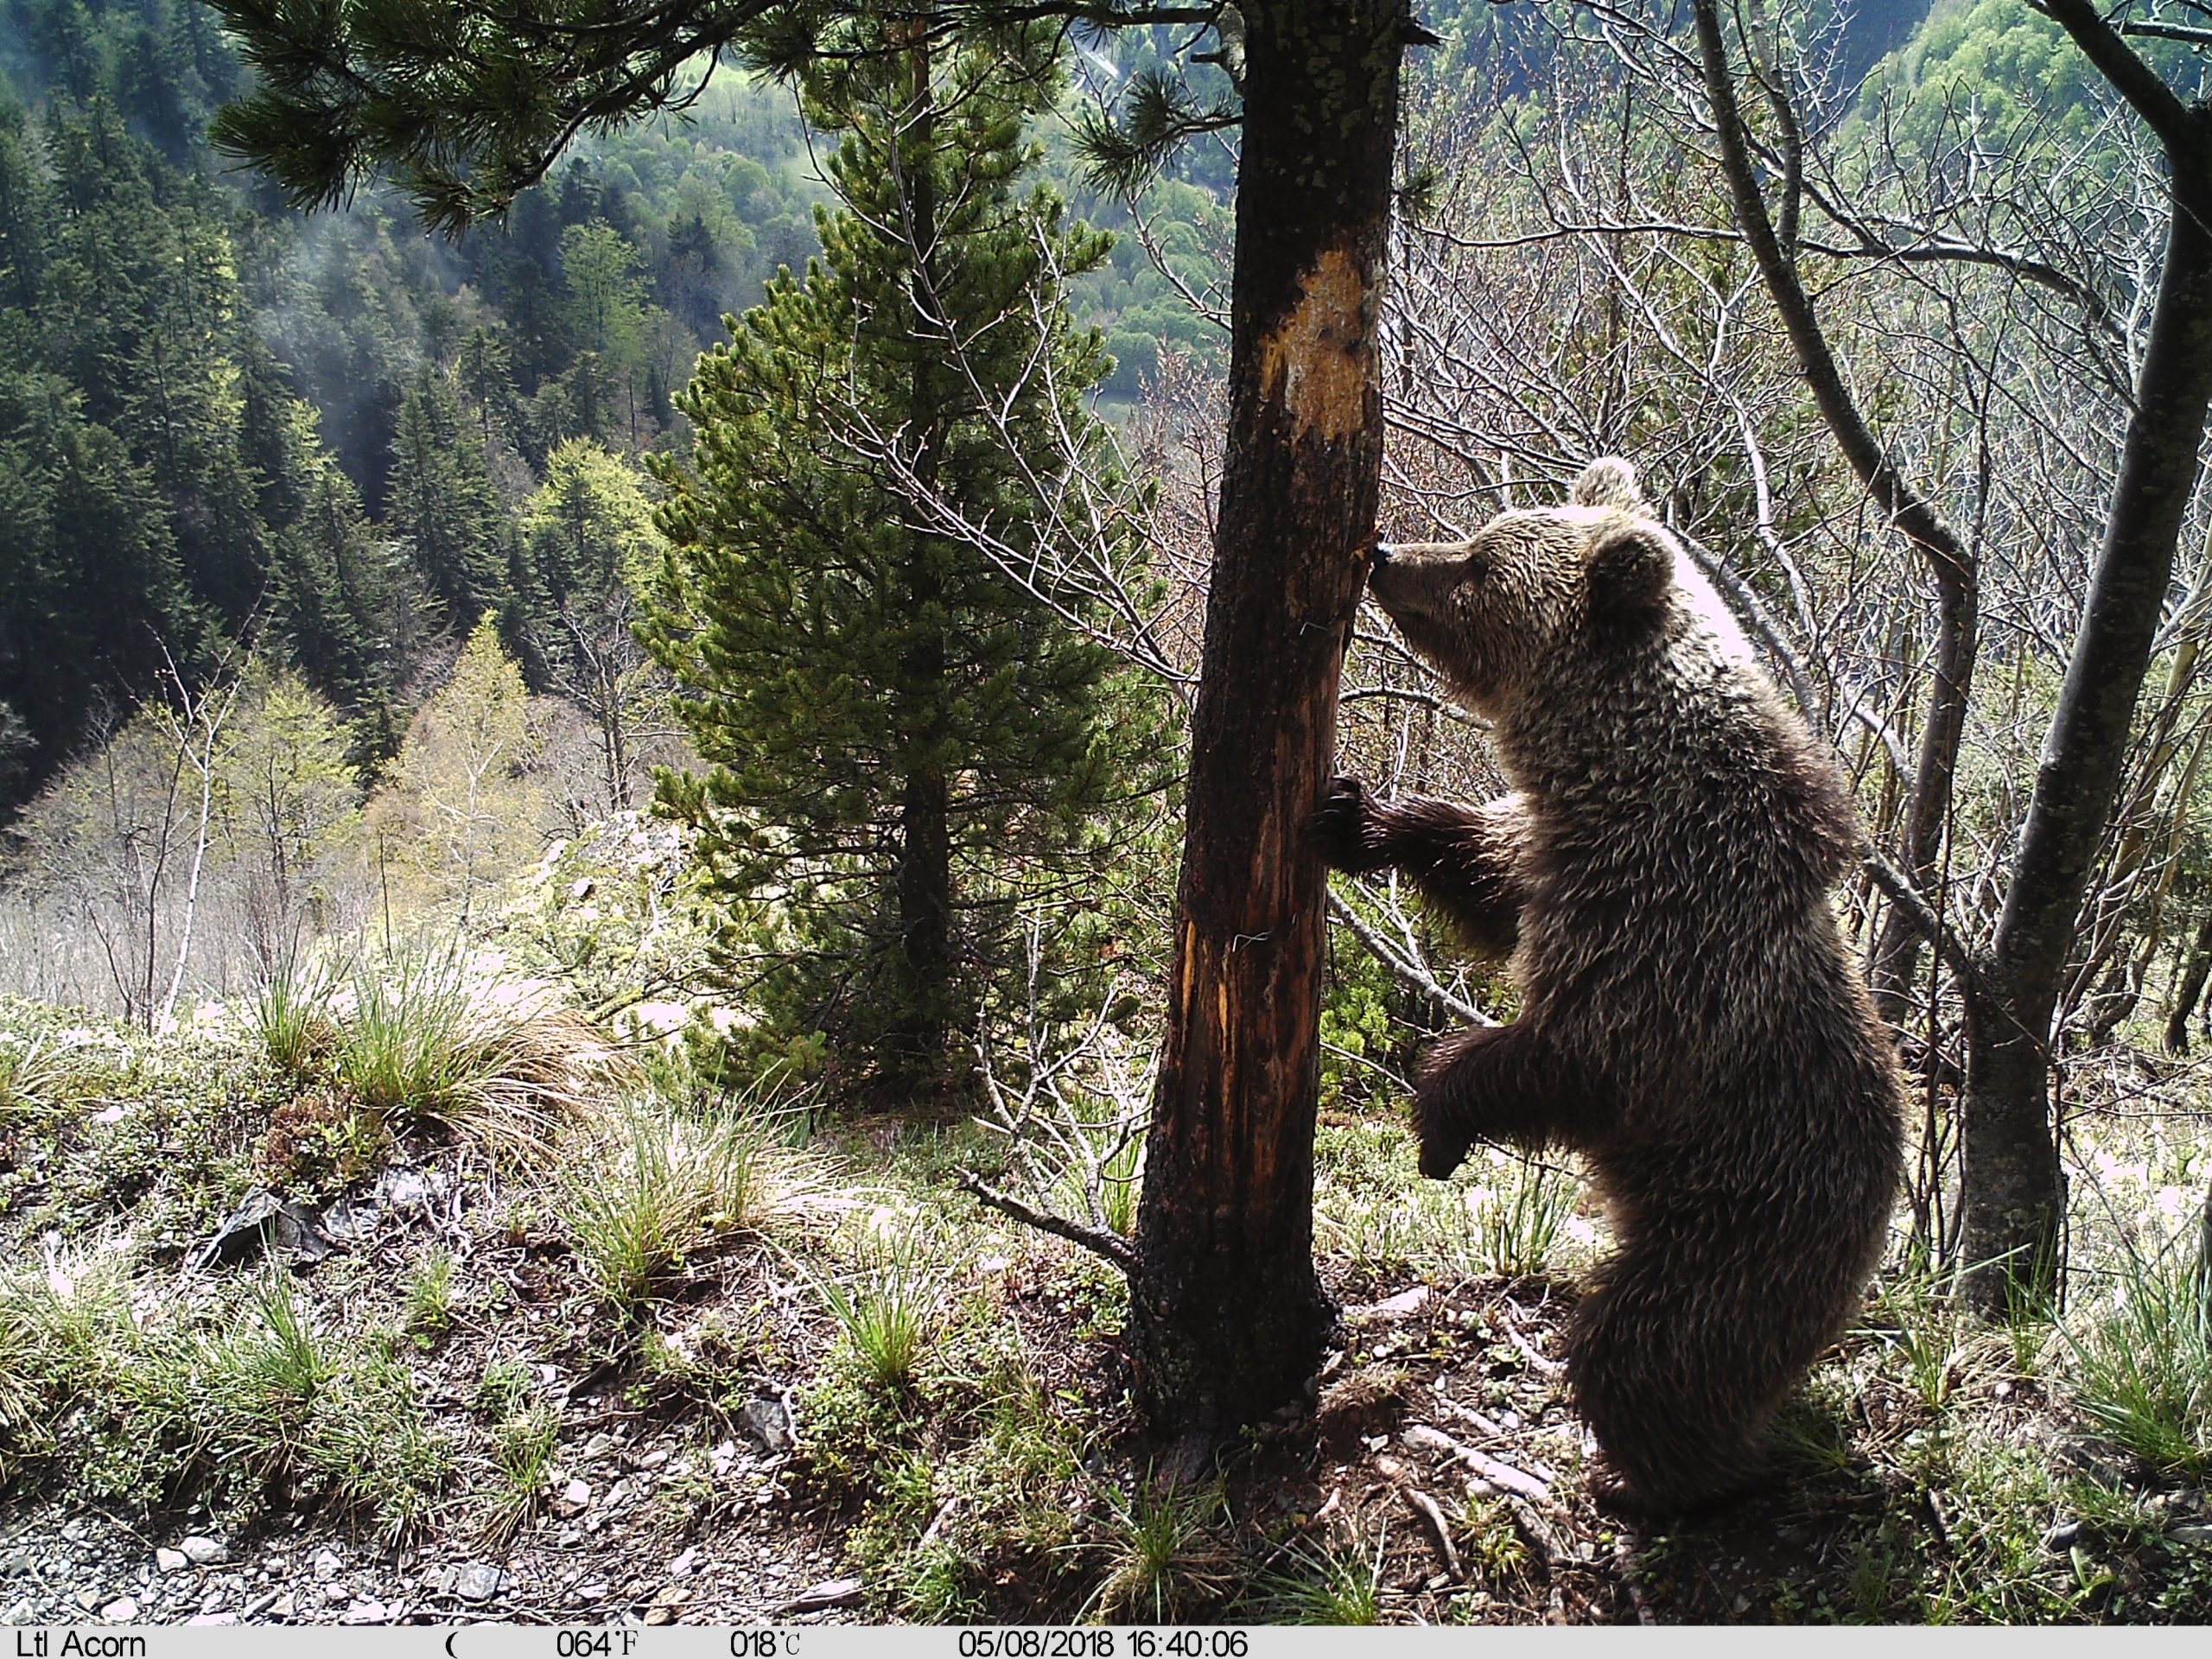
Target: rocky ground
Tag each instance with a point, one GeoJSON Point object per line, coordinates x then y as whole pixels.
{"type": "Point", "coordinates": [412, 1380]}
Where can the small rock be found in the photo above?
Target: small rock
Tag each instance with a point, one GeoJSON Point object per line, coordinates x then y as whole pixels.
{"type": "Point", "coordinates": [17, 1566]}
{"type": "Point", "coordinates": [171, 1561]}
{"type": "Point", "coordinates": [114, 1114]}
{"type": "Point", "coordinates": [213, 1618]}
{"type": "Point", "coordinates": [568, 1539]}
{"type": "Point", "coordinates": [1405, 1304]}
{"type": "Point", "coordinates": [121, 1610]}
{"type": "Point", "coordinates": [261, 1604]}
{"type": "Point", "coordinates": [88, 1599]}
{"type": "Point", "coordinates": [18, 1614]}
{"type": "Point", "coordinates": [336, 1595]}
{"type": "Point", "coordinates": [326, 1564]}
{"type": "Point", "coordinates": [400, 1188]}
{"type": "Point", "coordinates": [204, 1552]}
{"type": "Point", "coordinates": [2062, 1537]}
{"type": "Point", "coordinates": [683, 1565]}
{"type": "Point", "coordinates": [830, 1592]}
{"type": "Point", "coordinates": [574, 1499]}
{"type": "Point", "coordinates": [725, 1455]}
{"type": "Point", "coordinates": [368, 1611]}
{"type": "Point", "coordinates": [763, 1421]}
{"type": "Point", "coordinates": [598, 1446]}
{"type": "Point", "coordinates": [478, 1581]}
{"type": "Point", "coordinates": [74, 1532]}
{"type": "Point", "coordinates": [654, 1458]}
{"type": "Point", "coordinates": [595, 1590]}
{"type": "Point", "coordinates": [2193, 1532]}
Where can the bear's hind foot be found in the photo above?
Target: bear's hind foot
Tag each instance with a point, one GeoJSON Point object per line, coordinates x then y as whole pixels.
{"type": "Point", "coordinates": [1617, 1497]}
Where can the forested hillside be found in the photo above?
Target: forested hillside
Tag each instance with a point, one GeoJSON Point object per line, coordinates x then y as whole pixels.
{"type": "Point", "coordinates": [228, 420]}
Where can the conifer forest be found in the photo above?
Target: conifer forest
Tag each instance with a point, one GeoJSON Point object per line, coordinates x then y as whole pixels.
{"type": "Point", "coordinates": [859, 811]}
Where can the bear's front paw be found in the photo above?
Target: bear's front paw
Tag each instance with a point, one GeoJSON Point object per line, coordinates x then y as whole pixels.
{"type": "Point", "coordinates": [1340, 828]}
{"type": "Point", "coordinates": [1443, 1149]}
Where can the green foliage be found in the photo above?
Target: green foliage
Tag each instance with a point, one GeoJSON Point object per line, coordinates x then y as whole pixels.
{"type": "Point", "coordinates": [427, 1040]}
{"type": "Point", "coordinates": [288, 1014]}
{"type": "Point", "coordinates": [462, 810]}
{"type": "Point", "coordinates": [663, 1187]}
{"type": "Point", "coordinates": [232, 1400]}
{"type": "Point", "coordinates": [1165, 1561]}
{"type": "Point", "coordinates": [2141, 1356]}
{"type": "Point", "coordinates": [1326, 1587]}
{"type": "Point", "coordinates": [905, 740]}
{"type": "Point", "coordinates": [889, 1306]}
{"type": "Point", "coordinates": [523, 1446]}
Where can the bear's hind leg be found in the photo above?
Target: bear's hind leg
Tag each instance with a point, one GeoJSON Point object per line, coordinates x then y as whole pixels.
{"type": "Point", "coordinates": [1665, 1393]}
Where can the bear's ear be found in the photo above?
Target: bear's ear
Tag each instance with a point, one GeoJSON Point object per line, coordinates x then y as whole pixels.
{"type": "Point", "coordinates": [1608, 481]}
{"type": "Point", "coordinates": [1631, 569]}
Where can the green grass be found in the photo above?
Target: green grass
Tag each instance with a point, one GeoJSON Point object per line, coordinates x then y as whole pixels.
{"type": "Point", "coordinates": [1166, 1560]}
{"type": "Point", "coordinates": [231, 1401]}
{"type": "Point", "coordinates": [890, 1305]}
{"type": "Point", "coordinates": [421, 1040]}
{"type": "Point", "coordinates": [523, 1446]}
{"type": "Point", "coordinates": [1337, 1586]}
{"type": "Point", "coordinates": [427, 1310]}
{"type": "Point", "coordinates": [288, 1014]}
{"type": "Point", "coordinates": [42, 1071]}
{"type": "Point", "coordinates": [2140, 1355]}
{"type": "Point", "coordinates": [655, 1189]}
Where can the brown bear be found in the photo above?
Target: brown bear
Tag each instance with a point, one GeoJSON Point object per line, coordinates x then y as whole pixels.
{"type": "Point", "coordinates": [1691, 1020]}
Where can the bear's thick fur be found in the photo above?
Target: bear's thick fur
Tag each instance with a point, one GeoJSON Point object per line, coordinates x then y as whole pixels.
{"type": "Point", "coordinates": [1691, 1020]}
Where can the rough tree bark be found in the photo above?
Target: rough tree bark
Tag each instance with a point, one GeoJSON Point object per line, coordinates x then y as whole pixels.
{"type": "Point", "coordinates": [1228, 1318]}
{"type": "Point", "coordinates": [2014, 1193]}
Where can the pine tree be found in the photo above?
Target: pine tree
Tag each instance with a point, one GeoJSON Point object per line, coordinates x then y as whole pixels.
{"type": "Point", "coordinates": [443, 501]}
{"type": "Point", "coordinates": [905, 741]}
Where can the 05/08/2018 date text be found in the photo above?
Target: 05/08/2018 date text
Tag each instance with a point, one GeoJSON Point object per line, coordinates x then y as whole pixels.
{"type": "Point", "coordinates": [1021, 1643]}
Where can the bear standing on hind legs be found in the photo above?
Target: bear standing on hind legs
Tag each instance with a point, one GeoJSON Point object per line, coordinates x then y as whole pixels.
{"type": "Point", "coordinates": [1691, 1020]}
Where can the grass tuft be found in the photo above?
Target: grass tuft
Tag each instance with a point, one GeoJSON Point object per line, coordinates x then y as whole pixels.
{"type": "Point", "coordinates": [423, 1041]}
{"type": "Point", "coordinates": [2142, 1365]}
{"type": "Point", "coordinates": [890, 1307]}
{"type": "Point", "coordinates": [289, 1014]}
{"type": "Point", "coordinates": [1167, 1560]}
{"type": "Point", "coordinates": [658, 1188]}
{"type": "Point", "coordinates": [1325, 1587]}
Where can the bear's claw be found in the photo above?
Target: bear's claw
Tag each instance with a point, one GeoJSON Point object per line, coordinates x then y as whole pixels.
{"type": "Point", "coordinates": [1442, 1149]}
{"type": "Point", "coordinates": [1339, 827]}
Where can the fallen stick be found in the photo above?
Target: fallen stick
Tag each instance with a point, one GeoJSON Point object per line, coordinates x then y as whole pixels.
{"type": "Point", "coordinates": [1496, 1471]}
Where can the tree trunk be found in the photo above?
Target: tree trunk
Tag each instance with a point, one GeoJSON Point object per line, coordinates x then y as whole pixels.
{"type": "Point", "coordinates": [924, 818]}
{"type": "Point", "coordinates": [1228, 1318]}
{"type": "Point", "coordinates": [2192, 988]}
{"type": "Point", "coordinates": [1950, 561]}
{"type": "Point", "coordinates": [1927, 814]}
{"type": "Point", "coordinates": [2013, 1195]}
